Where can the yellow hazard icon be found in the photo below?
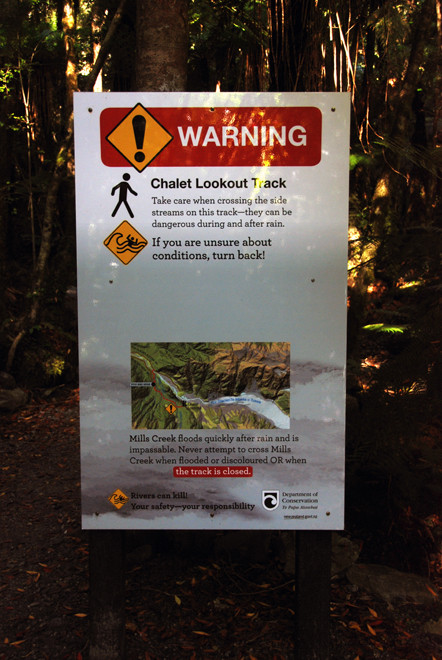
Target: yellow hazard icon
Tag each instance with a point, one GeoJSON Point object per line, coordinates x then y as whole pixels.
{"type": "Point", "coordinates": [118, 498]}
{"type": "Point", "coordinates": [125, 242]}
{"type": "Point", "coordinates": [170, 408]}
{"type": "Point", "coordinates": [139, 137]}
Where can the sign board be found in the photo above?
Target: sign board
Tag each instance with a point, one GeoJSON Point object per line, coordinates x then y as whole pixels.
{"type": "Point", "coordinates": [212, 252]}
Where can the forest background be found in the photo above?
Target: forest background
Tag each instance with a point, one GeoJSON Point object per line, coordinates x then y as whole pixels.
{"type": "Point", "coordinates": [387, 55]}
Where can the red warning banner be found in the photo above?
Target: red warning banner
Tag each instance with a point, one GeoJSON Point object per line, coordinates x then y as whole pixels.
{"type": "Point", "coordinates": [210, 137]}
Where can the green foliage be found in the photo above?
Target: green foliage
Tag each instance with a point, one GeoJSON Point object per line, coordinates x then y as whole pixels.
{"type": "Point", "coordinates": [6, 77]}
{"type": "Point", "coordinates": [54, 365]}
{"type": "Point", "coordinates": [384, 327]}
{"type": "Point", "coordinates": [359, 159]}
{"type": "Point", "coordinates": [226, 40]}
{"type": "Point", "coordinates": [391, 24]}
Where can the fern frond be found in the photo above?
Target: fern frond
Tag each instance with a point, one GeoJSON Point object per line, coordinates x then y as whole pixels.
{"type": "Point", "coordinates": [427, 158]}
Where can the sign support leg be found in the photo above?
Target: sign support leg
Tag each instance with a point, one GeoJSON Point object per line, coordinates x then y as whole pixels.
{"type": "Point", "coordinates": [107, 596]}
{"type": "Point", "coordinates": [312, 595]}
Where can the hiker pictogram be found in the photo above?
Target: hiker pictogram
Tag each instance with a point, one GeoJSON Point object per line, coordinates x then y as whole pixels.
{"type": "Point", "coordinates": [125, 242]}
{"type": "Point", "coordinates": [123, 188]}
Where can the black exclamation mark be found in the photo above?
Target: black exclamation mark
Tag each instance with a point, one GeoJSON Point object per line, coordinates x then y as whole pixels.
{"type": "Point", "coordinates": [139, 126]}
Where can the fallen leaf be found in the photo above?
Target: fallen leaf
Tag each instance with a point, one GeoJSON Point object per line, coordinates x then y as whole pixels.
{"type": "Point", "coordinates": [373, 613]}
{"type": "Point", "coordinates": [432, 592]}
{"type": "Point", "coordinates": [177, 600]}
{"type": "Point", "coordinates": [80, 615]}
{"type": "Point", "coordinates": [200, 632]}
{"type": "Point", "coordinates": [371, 630]}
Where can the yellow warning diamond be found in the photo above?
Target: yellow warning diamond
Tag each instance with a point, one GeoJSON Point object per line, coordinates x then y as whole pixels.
{"type": "Point", "coordinates": [125, 242]}
{"type": "Point", "coordinates": [170, 408]}
{"type": "Point", "coordinates": [139, 137]}
{"type": "Point", "coordinates": [118, 498]}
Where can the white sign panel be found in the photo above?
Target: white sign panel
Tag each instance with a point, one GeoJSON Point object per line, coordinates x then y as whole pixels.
{"type": "Point", "coordinates": [212, 252]}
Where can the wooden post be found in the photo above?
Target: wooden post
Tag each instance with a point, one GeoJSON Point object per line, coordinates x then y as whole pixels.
{"type": "Point", "coordinates": [107, 594]}
{"type": "Point", "coordinates": [312, 595]}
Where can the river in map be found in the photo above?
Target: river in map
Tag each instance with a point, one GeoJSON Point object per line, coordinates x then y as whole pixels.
{"type": "Point", "coordinates": [264, 407]}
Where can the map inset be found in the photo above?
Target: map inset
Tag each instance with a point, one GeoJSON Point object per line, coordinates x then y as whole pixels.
{"type": "Point", "coordinates": [222, 385]}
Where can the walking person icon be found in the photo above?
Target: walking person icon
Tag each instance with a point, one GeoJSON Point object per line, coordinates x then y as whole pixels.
{"type": "Point", "coordinates": [123, 188]}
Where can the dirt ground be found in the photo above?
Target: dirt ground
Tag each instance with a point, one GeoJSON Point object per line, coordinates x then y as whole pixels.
{"type": "Point", "coordinates": [186, 602]}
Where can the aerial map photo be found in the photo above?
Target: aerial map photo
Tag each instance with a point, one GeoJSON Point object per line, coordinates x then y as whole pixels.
{"type": "Point", "coordinates": [216, 385]}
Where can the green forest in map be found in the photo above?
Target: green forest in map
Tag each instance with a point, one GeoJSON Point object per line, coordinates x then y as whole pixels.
{"type": "Point", "coordinates": [222, 385]}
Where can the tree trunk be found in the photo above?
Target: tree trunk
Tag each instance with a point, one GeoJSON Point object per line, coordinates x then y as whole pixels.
{"type": "Point", "coordinates": [5, 169]}
{"type": "Point", "coordinates": [162, 45]}
{"type": "Point", "coordinates": [106, 44]}
{"type": "Point", "coordinates": [69, 35]}
{"type": "Point", "coordinates": [390, 187]}
{"type": "Point", "coordinates": [106, 570]}
{"type": "Point", "coordinates": [291, 45]}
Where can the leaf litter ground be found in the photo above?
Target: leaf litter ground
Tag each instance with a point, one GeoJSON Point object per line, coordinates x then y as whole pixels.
{"type": "Point", "coordinates": [184, 601]}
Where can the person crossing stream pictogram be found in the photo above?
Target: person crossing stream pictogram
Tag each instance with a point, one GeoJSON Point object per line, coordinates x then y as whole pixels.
{"type": "Point", "coordinates": [123, 188]}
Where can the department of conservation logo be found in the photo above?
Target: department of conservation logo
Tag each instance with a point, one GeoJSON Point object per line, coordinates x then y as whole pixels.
{"type": "Point", "coordinates": [118, 498]}
{"type": "Point", "coordinates": [270, 499]}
